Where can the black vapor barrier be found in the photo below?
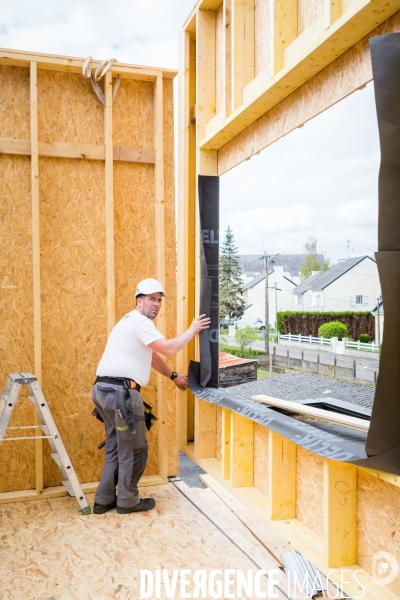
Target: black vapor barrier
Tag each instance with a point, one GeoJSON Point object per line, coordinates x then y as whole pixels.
{"type": "Point", "coordinates": [209, 277]}
{"type": "Point", "coordinates": [380, 448]}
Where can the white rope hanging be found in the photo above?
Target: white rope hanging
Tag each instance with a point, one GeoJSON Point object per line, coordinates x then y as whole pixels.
{"type": "Point", "coordinates": [101, 70]}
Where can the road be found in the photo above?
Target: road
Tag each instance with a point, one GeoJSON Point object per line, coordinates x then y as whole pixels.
{"type": "Point", "coordinates": [364, 367]}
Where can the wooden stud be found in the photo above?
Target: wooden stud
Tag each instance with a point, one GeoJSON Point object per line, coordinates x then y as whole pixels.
{"type": "Point", "coordinates": [340, 513]}
{"type": "Point", "coordinates": [243, 48]}
{"type": "Point", "coordinates": [109, 203]}
{"type": "Point", "coordinates": [241, 451]}
{"type": "Point", "coordinates": [282, 477]}
{"type": "Point", "coordinates": [226, 444]}
{"type": "Point", "coordinates": [283, 30]}
{"type": "Point", "coordinates": [37, 314]}
{"type": "Point", "coordinates": [205, 428]}
{"type": "Point", "coordinates": [205, 69]}
{"type": "Point", "coordinates": [332, 11]}
{"type": "Point", "coordinates": [227, 77]}
{"type": "Point", "coordinates": [186, 220]}
{"type": "Point", "coordinates": [159, 241]}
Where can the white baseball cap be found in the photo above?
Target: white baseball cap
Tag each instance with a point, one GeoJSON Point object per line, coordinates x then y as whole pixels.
{"type": "Point", "coordinates": [149, 286]}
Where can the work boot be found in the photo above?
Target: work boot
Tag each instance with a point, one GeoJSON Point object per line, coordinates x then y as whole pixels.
{"type": "Point", "coordinates": [144, 504]}
{"type": "Point", "coordinates": [100, 509]}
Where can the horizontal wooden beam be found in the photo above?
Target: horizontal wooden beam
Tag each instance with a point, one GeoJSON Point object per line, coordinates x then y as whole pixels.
{"type": "Point", "coordinates": [311, 52]}
{"type": "Point", "coordinates": [59, 491]}
{"type": "Point", "coordinates": [75, 150]}
{"type": "Point", "coordinates": [19, 58]}
{"type": "Point", "coordinates": [319, 413]}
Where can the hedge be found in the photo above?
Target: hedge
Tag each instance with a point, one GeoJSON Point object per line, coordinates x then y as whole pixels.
{"type": "Point", "coordinates": [308, 323]}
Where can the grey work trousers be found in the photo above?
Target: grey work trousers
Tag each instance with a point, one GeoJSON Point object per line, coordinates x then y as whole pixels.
{"type": "Point", "coordinates": [126, 455]}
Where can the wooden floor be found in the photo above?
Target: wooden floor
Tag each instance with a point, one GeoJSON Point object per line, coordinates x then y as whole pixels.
{"type": "Point", "coordinates": [48, 551]}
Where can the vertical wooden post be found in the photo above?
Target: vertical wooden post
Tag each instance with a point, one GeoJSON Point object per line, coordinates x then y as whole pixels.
{"type": "Point", "coordinates": [282, 477]}
{"type": "Point", "coordinates": [340, 513]}
{"type": "Point", "coordinates": [227, 76]}
{"type": "Point", "coordinates": [243, 55]}
{"type": "Point", "coordinates": [205, 413]}
{"type": "Point", "coordinates": [186, 230]}
{"type": "Point", "coordinates": [242, 451]}
{"type": "Point", "coordinates": [283, 30]}
{"type": "Point", "coordinates": [333, 11]}
{"type": "Point", "coordinates": [109, 202]}
{"type": "Point", "coordinates": [37, 313]}
{"type": "Point", "coordinates": [160, 265]}
{"type": "Point", "coordinates": [225, 444]}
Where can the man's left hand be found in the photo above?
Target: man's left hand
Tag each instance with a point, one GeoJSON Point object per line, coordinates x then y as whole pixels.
{"type": "Point", "coordinates": [181, 382]}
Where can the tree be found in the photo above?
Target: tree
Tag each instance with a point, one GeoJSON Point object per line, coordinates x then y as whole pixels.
{"type": "Point", "coordinates": [231, 303]}
{"type": "Point", "coordinates": [244, 337]}
{"type": "Point", "coordinates": [311, 262]}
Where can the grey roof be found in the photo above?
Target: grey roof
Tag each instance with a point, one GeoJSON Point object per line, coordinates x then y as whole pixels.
{"type": "Point", "coordinates": [375, 310]}
{"type": "Point", "coordinates": [291, 262]}
{"type": "Point", "coordinates": [321, 281]}
{"type": "Point", "coordinates": [256, 280]}
{"type": "Point", "coordinates": [301, 386]}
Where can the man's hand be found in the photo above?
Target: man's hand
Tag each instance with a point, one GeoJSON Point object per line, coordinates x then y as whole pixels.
{"type": "Point", "coordinates": [181, 382]}
{"type": "Point", "coordinates": [199, 323]}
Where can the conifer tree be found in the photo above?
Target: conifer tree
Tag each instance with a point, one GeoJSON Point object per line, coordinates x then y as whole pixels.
{"type": "Point", "coordinates": [231, 303]}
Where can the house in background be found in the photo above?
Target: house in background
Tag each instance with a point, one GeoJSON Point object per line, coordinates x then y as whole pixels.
{"type": "Point", "coordinates": [379, 319]}
{"type": "Point", "coordinates": [352, 284]}
{"type": "Point", "coordinates": [280, 288]}
{"type": "Point", "coordinates": [252, 265]}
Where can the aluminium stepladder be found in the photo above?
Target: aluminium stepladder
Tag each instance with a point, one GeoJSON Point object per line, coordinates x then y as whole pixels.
{"type": "Point", "coordinates": [8, 401]}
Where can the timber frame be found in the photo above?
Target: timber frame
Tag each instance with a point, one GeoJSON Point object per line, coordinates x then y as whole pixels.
{"type": "Point", "coordinates": [232, 104]}
{"type": "Point", "coordinates": [109, 154]}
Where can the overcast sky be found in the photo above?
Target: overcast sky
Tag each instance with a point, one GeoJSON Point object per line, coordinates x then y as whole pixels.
{"type": "Point", "coordinates": [320, 180]}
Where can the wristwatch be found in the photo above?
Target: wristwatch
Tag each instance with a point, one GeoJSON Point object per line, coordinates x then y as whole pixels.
{"type": "Point", "coordinates": [174, 375]}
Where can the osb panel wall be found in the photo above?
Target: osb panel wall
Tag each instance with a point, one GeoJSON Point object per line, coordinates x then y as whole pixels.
{"type": "Point", "coordinates": [310, 490]}
{"type": "Point", "coordinates": [261, 470]}
{"type": "Point", "coordinates": [14, 103]}
{"type": "Point", "coordinates": [16, 309]}
{"type": "Point", "coordinates": [73, 305]}
{"type": "Point", "coordinates": [378, 522]}
{"type": "Point", "coordinates": [262, 35]}
{"type": "Point", "coordinates": [308, 12]}
{"type": "Point", "coordinates": [342, 77]}
{"type": "Point", "coordinates": [218, 434]}
{"type": "Point", "coordinates": [219, 58]}
{"type": "Point", "coordinates": [73, 290]}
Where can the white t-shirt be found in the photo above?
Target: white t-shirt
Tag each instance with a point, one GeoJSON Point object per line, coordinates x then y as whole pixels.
{"type": "Point", "coordinates": [126, 353]}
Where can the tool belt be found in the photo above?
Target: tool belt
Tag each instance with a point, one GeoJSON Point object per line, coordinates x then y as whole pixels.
{"type": "Point", "coordinates": [128, 384]}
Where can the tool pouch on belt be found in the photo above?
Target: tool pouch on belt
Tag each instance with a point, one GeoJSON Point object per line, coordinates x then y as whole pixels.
{"type": "Point", "coordinates": [149, 418]}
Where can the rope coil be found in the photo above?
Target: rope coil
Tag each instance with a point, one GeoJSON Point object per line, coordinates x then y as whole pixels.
{"type": "Point", "coordinates": [101, 70]}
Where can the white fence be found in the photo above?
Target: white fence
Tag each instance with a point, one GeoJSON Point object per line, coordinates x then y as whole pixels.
{"type": "Point", "coordinates": [331, 342]}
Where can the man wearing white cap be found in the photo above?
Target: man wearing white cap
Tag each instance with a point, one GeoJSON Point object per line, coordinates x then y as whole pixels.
{"type": "Point", "coordinates": [131, 350]}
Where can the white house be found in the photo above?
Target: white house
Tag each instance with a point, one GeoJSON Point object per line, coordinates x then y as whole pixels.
{"type": "Point", "coordinates": [351, 284]}
{"type": "Point", "coordinates": [280, 287]}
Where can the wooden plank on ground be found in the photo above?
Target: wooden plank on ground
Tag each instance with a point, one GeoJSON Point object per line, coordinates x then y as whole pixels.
{"type": "Point", "coordinates": [260, 559]}
{"type": "Point", "coordinates": [274, 543]}
{"type": "Point", "coordinates": [324, 415]}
